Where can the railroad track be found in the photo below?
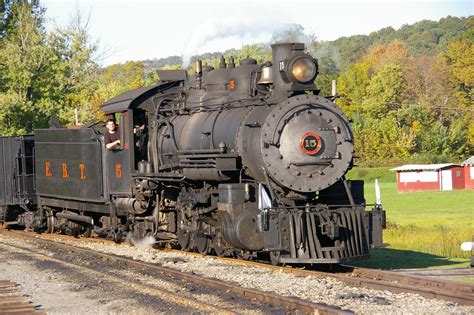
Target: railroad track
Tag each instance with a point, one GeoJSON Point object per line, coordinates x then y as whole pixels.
{"type": "Point", "coordinates": [440, 272]}
{"type": "Point", "coordinates": [443, 289]}
{"type": "Point", "coordinates": [454, 291]}
{"type": "Point", "coordinates": [282, 302]}
{"type": "Point", "coordinates": [397, 282]}
{"type": "Point", "coordinates": [12, 301]}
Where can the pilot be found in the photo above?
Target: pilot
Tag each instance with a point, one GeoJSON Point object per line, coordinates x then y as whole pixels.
{"type": "Point", "coordinates": [111, 136]}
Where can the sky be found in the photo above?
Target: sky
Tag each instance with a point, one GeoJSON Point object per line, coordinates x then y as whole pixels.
{"type": "Point", "coordinates": [147, 29]}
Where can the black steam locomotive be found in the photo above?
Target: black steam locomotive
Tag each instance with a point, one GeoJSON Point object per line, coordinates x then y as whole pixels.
{"type": "Point", "coordinates": [241, 160]}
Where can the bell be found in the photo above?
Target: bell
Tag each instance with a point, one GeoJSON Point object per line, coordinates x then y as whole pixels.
{"type": "Point", "coordinates": [267, 75]}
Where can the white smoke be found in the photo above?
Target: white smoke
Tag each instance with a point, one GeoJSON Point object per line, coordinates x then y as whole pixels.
{"type": "Point", "coordinates": [218, 29]}
{"type": "Point", "coordinates": [326, 51]}
{"type": "Point", "coordinates": [146, 242]}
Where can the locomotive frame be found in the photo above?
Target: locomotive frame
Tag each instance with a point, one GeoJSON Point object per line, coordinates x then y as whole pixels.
{"type": "Point", "coordinates": [241, 161]}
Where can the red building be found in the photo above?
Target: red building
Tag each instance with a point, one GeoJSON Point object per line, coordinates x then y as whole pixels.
{"type": "Point", "coordinates": [468, 173]}
{"type": "Point", "coordinates": [422, 177]}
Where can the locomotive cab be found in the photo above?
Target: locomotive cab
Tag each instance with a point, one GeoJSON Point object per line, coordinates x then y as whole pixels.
{"type": "Point", "coordinates": [131, 109]}
{"type": "Point", "coordinates": [123, 162]}
{"type": "Point", "coordinates": [119, 161]}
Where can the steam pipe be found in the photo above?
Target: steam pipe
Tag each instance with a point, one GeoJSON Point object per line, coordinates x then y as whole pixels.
{"type": "Point", "coordinates": [156, 215]}
{"type": "Point", "coordinates": [76, 217]}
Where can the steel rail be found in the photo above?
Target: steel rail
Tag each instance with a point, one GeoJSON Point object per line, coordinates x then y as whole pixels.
{"type": "Point", "coordinates": [172, 297]}
{"type": "Point", "coordinates": [448, 290]}
{"type": "Point", "coordinates": [290, 303]}
{"type": "Point", "coordinates": [14, 302]}
{"type": "Point", "coordinates": [453, 291]}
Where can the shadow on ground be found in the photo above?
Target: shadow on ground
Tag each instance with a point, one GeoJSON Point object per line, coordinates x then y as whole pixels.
{"type": "Point", "coordinates": [386, 258]}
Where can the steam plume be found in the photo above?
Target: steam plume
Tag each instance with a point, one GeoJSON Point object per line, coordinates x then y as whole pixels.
{"type": "Point", "coordinates": [146, 242]}
{"type": "Point", "coordinates": [213, 30]}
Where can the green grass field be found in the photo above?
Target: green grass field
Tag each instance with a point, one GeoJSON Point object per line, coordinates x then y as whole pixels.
{"type": "Point", "coordinates": [424, 229]}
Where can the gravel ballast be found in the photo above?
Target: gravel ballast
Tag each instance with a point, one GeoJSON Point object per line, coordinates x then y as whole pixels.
{"type": "Point", "coordinates": [314, 289]}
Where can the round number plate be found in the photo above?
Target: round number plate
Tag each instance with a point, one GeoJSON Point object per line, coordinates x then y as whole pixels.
{"type": "Point", "coordinates": [310, 143]}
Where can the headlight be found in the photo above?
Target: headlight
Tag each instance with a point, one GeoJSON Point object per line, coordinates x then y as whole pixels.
{"type": "Point", "coordinates": [304, 70]}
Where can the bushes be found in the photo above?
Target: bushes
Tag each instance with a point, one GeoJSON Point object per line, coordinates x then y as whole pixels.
{"type": "Point", "coordinates": [439, 240]}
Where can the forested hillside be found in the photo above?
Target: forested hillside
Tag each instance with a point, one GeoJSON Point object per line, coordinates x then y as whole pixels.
{"type": "Point", "coordinates": [407, 91]}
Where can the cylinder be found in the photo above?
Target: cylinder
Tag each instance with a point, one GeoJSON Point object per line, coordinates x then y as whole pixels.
{"type": "Point", "coordinates": [130, 205]}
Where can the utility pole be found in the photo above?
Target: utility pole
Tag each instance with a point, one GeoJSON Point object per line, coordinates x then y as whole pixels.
{"type": "Point", "coordinates": [76, 116]}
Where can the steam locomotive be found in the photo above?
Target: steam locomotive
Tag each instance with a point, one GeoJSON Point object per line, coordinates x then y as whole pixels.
{"type": "Point", "coordinates": [240, 160]}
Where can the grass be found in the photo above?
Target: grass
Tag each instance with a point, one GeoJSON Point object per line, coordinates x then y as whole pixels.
{"type": "Point", "coordinates": [389, 258]}
{"type": "Point", "coordinates": [424, 229]}
{"type": "Point", "coordinates": [369, 174]}
{"type": "Point", "coordinates": [464, 279]}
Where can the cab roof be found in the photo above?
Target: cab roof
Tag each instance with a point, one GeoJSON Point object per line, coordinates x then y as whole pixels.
{"type": "Point", "coordinates": [129, 99]}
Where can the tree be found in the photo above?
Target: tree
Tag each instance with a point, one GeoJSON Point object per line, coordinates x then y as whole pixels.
{"type": "Point", "coordinates": [7, 14]}
{"type": "Point", "coordinates": [129, 75]}
{"type": "Point", "coordinates": [384, 91]}
{"type": "Point", "coordinates": [460, 59]}
{"type": "Point", "coordinates": [117, 79]}
{"type": "Point", "coordinates": [43, 75]}
{"type": "Point", "coordinates": [376, 82]}
{"type": "Point", "coordinates": [25, 62]}
{"type": "Point", "coordinates": [352, 86]}
{"type": "Point", "coordinates": [379, 56]}
{"type": "Point", "coordinates": [404, 106]}
{"type": "Point", "coordinates": [427, 83]}
{"type": "Point", "coordinates": [380, 139]}
{"type": "Point", "coordinates": [76, 71]}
